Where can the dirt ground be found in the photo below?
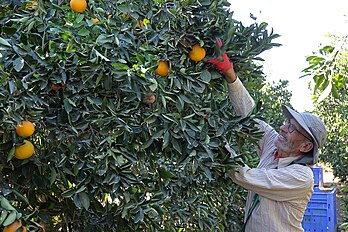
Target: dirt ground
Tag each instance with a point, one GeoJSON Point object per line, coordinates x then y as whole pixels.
{"type": "Point", "coordinates": [331, 182]}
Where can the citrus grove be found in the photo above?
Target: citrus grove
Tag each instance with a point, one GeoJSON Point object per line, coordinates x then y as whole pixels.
{"type": "Point", "coordinates": [121, 121]}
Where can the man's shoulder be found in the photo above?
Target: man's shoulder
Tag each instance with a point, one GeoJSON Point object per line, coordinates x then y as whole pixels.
{"type": "Point", "coordinates": [303, 170]}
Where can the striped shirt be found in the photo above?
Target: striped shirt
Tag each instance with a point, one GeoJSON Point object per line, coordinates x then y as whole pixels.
{"type": "Point", "coordinates": [284, 188]}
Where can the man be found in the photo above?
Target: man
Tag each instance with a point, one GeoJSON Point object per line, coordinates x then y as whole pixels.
{"type": "Point", "coordinates": [282, 184]}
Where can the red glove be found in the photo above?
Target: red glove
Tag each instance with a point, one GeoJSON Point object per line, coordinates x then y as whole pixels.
{"type": "Point", "coordinates": [224, 65]}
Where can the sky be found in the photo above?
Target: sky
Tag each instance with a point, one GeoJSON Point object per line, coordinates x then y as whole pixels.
{"type": "Point", "coordinates": [303, 26]}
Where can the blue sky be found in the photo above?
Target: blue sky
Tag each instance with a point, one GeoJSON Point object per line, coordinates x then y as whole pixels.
{"type": "Point", "coordinates": [303, 26]}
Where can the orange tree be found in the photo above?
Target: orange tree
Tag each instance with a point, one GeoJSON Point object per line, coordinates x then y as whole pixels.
{"type": "Point", "coordinates": [117, 146]}
{"type": "Point", "coordinates": [328, 68]}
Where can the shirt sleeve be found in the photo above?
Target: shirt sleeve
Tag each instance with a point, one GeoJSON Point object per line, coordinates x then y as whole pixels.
{"type": "Point", "coordinates": [266, 143]}
{"type": "Point", "coordinates": [240, 98]}
{"type": "Point", "coordinates": [283, 184]}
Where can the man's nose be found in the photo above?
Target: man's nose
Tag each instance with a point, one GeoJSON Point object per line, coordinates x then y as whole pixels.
{"type": "Point", "coordinates": [284, 127]}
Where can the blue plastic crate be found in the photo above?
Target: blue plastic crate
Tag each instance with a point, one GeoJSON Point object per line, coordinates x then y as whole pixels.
{"type": "Point", "coordinates": [320, 214]}
{"type": "Point", "coordinates": [318, 176]}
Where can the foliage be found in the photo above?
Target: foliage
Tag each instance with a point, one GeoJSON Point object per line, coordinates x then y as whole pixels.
{"type": "Point", "coordinates": [104, 159]}
{"type": "Point", "coordinates": [328, 67]}
{"type": "Point", "coordinates": [334, 113]}
{"type": "Point", "coordinates": [344, 205]}
{"type": "Point", "coordinates": [274, 95]}
{"type": "Point", "coordinates": [332, 71]}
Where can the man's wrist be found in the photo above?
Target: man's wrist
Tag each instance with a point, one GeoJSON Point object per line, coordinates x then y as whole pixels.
{"type": "Point", "coordinates": [230, 75]}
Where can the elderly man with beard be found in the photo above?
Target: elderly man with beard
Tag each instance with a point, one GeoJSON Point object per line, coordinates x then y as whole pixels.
{"type": "Point", "coordinates": [282, 184]}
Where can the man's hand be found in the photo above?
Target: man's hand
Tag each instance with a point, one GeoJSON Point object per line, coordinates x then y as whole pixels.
{"type": "Point", "coordinates": [223, 65]}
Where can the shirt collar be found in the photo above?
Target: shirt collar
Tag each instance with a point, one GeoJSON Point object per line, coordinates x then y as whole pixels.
{"type": "Point", "coordinates": [283, 162]}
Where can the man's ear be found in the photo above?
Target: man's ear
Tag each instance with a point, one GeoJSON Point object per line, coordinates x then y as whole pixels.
{"type": "Point", "coordinates": [306, 147]}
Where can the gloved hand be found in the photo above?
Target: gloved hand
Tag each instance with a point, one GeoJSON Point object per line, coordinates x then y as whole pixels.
{"type": "Point", "coordinates": [224, 65]}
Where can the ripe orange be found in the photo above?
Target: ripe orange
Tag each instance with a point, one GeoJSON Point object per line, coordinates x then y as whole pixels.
{"type": "Point", "coordinates": [24, 151]}
{"type": "Point", "coordinates": [57, 87]}
{"type": "Point", "coordinates": [95, 20]}
{"type": "Point", "coordinates": [197, 53]}
{"type": "Point", "coordinates": [78, 5]}
{"type": "Point", "coordinates": [26, 129]}
{"type": "Point", "coordinates": [162, 68]}
{"type": "Point", "coordinates": [14, 227]}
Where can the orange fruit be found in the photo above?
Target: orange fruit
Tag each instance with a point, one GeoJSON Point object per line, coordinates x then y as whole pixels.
{"type": "Point", "coordinates": [95, 20]}
{"type": "Point", "coordinates": [57, 87]}
{"type": "Point", "coordinates": [162, 68]}
{"type": "Point", "coordinates": [14, 227]}
{"type": "Point", "coordinates": [25, 150]}
{"type": "Point", "coordinates": [150, 98]}
{"type": "Point", "coordinates": [78, 5]}
{"type": "Point", "coordinates": [25, 129]}
{"type": "Point", "coordinates": [197, 53]}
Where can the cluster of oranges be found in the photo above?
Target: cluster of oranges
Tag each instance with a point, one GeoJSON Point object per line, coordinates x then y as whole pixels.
{"type": "Point", "coordinates": [196, 54]}
{"type": "Point", "coordinates": [26, 149]}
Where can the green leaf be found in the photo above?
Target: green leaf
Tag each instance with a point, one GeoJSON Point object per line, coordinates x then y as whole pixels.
{"type": "Point", "coordinates": [100, 55]}
{"type": "Point", "coordinates": [147, 143]}
{"type": "Point", "coordinates": [108, 82]}
{"type": "Point", "coordinates": [154, 85]}
{"type": "Point", "coordinates": [325, 93]}
{"type": "Point", "coordinates": [102, 39]}
{"type": "Point", "coordinates": [166, 140]}
{"type": "Point", "coordinates": [100, 76]}
{"type": "Point", "coordinates": [11, 153]}
{"type": "Point", "coordinates": [12, 85]}
{"type": "Point", "coordinates": [79, 18]}
{"type": "Point", "coordinates": [335, 93]}
{"type": "Point", "coordinates": [205, 76]}
{"type": "Point", "coordinates": [21, 196]}
{"type": "Point", "coordinates": [68, 107]}
{"type": "Point", "coordinates": [177, 146]}
{"type": "Point", "coordinates": [18, 64]}
{"type": "Point", "coordinates": [165, 174]}
{"type": "Point", "coordinates": [158, 134]}
{"type": "Point", "coordinates": [68, 193]}
{"type": "Point", "coordinates": [83, 32]}
{"type": "Point", "coordinates": [85, 201]}
{"type": "Point", "coordinates": [53, 176]}
{"type": "Point", "coordinates": [4, 42]}
{"type": "Point", "coordinates": [139, 216]}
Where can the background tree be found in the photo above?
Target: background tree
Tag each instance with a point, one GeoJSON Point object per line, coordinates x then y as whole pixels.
{"type": "Point", "coordinates": [329, 69]}
{"type": "Point", "coordinates": [273, 96]}
{"type": "Point", "coordinates": [121, 145]}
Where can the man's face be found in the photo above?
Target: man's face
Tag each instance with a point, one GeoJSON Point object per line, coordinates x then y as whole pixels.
{"type": "Point", "coordinates": [290, 138]}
